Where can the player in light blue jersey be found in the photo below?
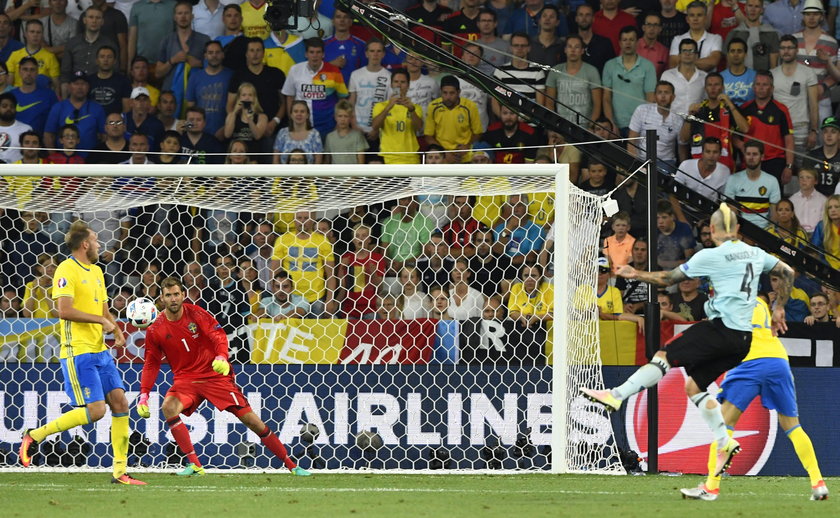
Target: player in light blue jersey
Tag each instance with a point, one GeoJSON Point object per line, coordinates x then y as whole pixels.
{"type": "Point", "coordinates": [711, 347]}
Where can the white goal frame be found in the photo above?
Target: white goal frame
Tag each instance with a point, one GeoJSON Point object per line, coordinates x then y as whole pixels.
{"type": "Point", "coordinates": [562, 187]}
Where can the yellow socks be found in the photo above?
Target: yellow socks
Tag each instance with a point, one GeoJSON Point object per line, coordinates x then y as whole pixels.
{"type": "Point", "coordinates": [119, 442]}
{"type": "Point", "coordinates": [713, 482]}
{"type": "Point", "coordinates": [805, 451]}
{"type": "Point", "coordinates": [76, 417]}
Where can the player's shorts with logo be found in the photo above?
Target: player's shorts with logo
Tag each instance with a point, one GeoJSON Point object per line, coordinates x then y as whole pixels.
{"type": "Point", "coordinates": [222, 392]}
{"type": "Point", "coordinates": [89, 376]}
{"type": "Point", "coordinates": [707, 349]}
{"type": "Point", "coordinates": [769, 378]}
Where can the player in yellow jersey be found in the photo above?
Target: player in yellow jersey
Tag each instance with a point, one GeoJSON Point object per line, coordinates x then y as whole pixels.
{"type": "Point", "coordinates": [90, 375]}
{"type": "Point", "coordinates": [765, 371]}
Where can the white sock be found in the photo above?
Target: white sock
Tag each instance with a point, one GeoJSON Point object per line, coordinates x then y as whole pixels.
{"type": "Point", "coordinates": [647, 376]}
{"type": "Point", "coordinates": [712, 416]}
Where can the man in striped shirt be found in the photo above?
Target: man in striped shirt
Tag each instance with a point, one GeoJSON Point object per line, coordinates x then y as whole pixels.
{"type": "Point", "coordinates": [757, 192]}
{"type": "Point", "coordinates": [520, 75]}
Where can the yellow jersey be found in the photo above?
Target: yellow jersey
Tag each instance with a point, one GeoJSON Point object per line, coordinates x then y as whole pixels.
{"type": "Point", "coordinates": [278, 57]}
{"type": "Point", "coordinates": [86, 285]}
{"type": "Point", "coordinates": [541, 207]}
{"type": "Point", "coordinates": [398, 134]}
{"type": "Point", "coordinates": [488, 208]}
{"type": "Point", "coordinates": [453, 127]}
{"type": "Point", "coordinates": [47, 63]}
{"type": "Point", "coordinates": [42, 307]}
{"type": "Point", "coordinates": [764, 344]}
{"type": "Point", "coordinates": [25, 187]}
{"type": "Point", "coordinates": [253, 23]}
{"type": "Point", "coordinates": [539, 303]}
{"type": "Point", "coordinates": [609, 301]}
{"type": "Point", "coordinates": [305, 259]}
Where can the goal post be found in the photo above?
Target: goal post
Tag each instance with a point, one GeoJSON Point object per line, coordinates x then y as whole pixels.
{"type": "Point", "coordinates": [408, 338]}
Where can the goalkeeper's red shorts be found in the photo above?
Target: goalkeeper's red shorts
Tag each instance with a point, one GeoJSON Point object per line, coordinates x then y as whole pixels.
{"type": "Point", "coordinates": [221, 392]}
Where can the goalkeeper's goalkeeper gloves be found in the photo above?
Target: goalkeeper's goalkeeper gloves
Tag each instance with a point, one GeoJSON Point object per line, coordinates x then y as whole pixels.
{"type": "Point", "coordinates": [221, 365]}
{"type": "Point", "coordinates": [143, 407]}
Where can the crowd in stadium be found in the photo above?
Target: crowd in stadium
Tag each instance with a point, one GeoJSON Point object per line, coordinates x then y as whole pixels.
{"type": "Point", "coordinates": [740, 95]}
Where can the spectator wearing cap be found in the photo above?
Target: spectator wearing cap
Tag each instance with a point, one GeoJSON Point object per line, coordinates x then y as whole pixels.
{"type": "Point", "coordinates": [817, 50]}
{"type": "Point", "coordinates": [518, 237]}
{"type": "Point", "coordinates": [825, 159]}
{"type": "Point", "coordinates": [76, 109]}
{"type": "Point", "coordinates": [139, 118]}
{"type": "Point", "coordinates": [47, 62]}
{"type": "Point", "coordinates": [109, 88]}
{"type": "Point", "coordinates": [80, 51]}
{"type": "Point", "coordinates": [453, 122]}
{"type": "Point", "coordinates": [34, 100]}
{"type": "Point", "coordinates": [605, 297]}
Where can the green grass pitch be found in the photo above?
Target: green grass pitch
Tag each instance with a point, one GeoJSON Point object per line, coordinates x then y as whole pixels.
{"type": "Point", "coordinates": [60, 495]}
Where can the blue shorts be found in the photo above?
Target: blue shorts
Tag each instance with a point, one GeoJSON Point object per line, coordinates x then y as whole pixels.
{"type": "Point", "coordinates": [769, 378]}
{"type": "Point", "coordinates": [88, 377]}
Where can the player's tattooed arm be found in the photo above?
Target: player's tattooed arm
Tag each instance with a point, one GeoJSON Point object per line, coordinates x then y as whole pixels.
{"type": "Point", "coordinates": [664, 278]}
{"type": "Point", "coordinates": [785, 274]}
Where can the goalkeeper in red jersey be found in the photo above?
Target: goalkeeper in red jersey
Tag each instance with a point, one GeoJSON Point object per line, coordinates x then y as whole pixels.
{"type": "Point", "coordinates": [197, 349]}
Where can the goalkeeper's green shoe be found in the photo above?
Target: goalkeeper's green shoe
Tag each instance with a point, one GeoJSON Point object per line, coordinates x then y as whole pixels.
{"type": "Point", "coordinates": [300, 472]}
{"type": "Point", "coordinates": [192, 471]}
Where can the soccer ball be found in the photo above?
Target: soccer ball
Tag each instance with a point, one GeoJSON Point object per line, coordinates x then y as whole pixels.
{"type": "Point", "coordinates": [141, 313]}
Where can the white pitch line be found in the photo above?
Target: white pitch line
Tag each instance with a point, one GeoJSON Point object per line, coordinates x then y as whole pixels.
{"type": "Point", "coordinates": [275, 490]}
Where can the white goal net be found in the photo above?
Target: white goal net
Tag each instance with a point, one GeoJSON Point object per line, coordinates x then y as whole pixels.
{"type": "Point", "coordinates": [438, 317]}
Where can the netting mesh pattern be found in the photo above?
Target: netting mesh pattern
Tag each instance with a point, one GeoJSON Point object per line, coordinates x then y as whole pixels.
{"type": "Point", "coordinates": [410, 327]}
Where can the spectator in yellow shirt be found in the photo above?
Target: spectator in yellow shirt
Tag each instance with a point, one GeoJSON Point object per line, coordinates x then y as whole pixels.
{"type": "Point", "coordinates": [532, 300]}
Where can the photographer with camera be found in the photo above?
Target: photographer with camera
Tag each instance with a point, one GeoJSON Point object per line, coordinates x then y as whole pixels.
{"type": "Point", "coordinates": [246, 121]}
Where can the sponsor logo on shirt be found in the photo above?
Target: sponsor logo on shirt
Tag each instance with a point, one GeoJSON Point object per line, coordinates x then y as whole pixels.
{"type": "Point", "coordinates": [71, 120]}
{"type": "Point", "coordinates": [23, 108]}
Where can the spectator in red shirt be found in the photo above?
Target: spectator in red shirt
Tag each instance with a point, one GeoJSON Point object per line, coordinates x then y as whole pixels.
{"type": "Point", "coordinates": [649, 46]}
{"type": "Point", "coordinates": [609, 21]}
{"type": "Point", "coordinates": [458, 233]}
{"type": "Point", "coordinates": [726, 15]}
{"type": "Point", "coordinates": [69, 139]}
{"type": "Point", "coordinates": [362, 270]}
{"type": "Point", "coordinates": [770, 123]}
{"type": "Point", "coordinates": [512, 139]}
